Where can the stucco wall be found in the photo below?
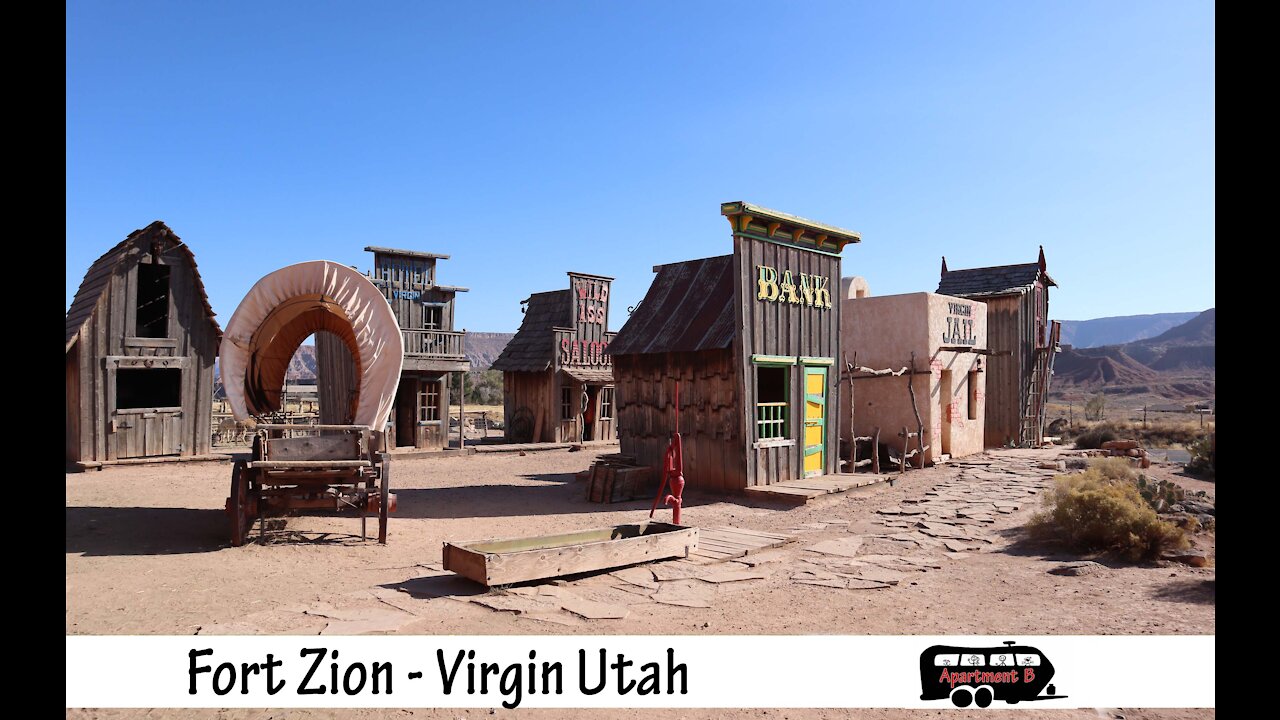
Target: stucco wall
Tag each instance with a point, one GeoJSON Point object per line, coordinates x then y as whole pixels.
{"type": "Point", "coordinates": [884, 331]}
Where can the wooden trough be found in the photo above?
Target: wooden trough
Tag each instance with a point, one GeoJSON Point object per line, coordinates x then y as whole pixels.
{"type": "Point", "coordinates": [513, 560]}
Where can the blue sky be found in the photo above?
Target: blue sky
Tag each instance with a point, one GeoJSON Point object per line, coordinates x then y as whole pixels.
{"type": "Point", "coordinates": [527, 139]}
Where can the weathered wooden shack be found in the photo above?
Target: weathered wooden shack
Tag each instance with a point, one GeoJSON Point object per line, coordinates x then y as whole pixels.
{"type": "Point", "coordinates": [1023, 341]}
{"type": "Point", "coordinates": [557, 378]}
{"type": "Point", "coordinates": [753, 339]}
{"type": "Point", "coordinates": [433, 351]}
{"type": "Point", "coordinates": [141, 345]}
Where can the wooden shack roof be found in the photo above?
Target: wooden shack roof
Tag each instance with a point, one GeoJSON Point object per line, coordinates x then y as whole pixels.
{"type": "Point", "coordinates": [991, 281]}
{"type": "Point", "coordinates": [533, 347]}
{"type": "Point", "coordinates": [104, 268]}
{"type": "Point", "coordinates": [689, 307]}
{"type": "Point", "coordinates": [405, 253]}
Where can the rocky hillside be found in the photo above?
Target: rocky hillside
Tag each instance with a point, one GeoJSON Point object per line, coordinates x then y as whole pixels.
{"type": "Point", "coordinates": [1179, 363]}
{"type": "Point", "coordinates": [483, 348]}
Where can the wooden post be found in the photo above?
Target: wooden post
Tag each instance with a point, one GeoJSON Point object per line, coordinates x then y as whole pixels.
{"type": "Point", "coordinates": [853, 430]}
{"type": "Point", "coordinates": [911, 387]}
{"type": "Point", "coordinates": [902, 459]}
{"type": "Point", "coordinates": [462, 410]}
{"type": "Point", "coordinates": [875, 451]}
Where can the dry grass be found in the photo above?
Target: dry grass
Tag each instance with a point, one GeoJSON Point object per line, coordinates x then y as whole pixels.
{"type": "Point", "coordinates": [1158, 433]}
{"type": "Point", "coordinates": [1102, 510]}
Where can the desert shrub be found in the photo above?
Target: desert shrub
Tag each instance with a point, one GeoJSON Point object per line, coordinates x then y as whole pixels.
{"type": "Point", "coordinates": [1116, 469]}
{"type": "Point", "coordinates": [1203, 452]}
{"type": "Point", "coordinates": [1092, 438]}
{"type": "Point", "coordinates": [1095, 408]}
{"type": "Point", "coordinates": [1102, 509]}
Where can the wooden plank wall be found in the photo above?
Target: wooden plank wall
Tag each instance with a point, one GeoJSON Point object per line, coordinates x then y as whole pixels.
{"type": "Point", "coordinates": [398, 273]}
{"type": "Point", "coordinates": [710, 414]}
{"type": "Point", "coordinates": [73, 404]}
{"type": "Point", "coordinates": [109, 332]}
{"type": "Point", "coordinates": [335, 380]}
{"type": "Point", "coordinates": [539, 393]}
{"type": "Point", "coordinates": [779, 328]}
{"type": "Point", "coordinates": [1009, 328]}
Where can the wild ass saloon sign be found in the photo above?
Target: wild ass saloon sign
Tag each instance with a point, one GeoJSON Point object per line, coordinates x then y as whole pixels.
{"type": "Point", "coordinates": [798, 289]}
{"type": "Point", "coordinates": [591, 314]}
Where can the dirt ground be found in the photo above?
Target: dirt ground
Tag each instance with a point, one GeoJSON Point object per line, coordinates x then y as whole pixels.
{"type": "Point", "coordinates": [147, 553]}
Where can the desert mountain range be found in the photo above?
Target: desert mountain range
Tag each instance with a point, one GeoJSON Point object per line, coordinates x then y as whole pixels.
{"type": "Point", "coordinates": [1179, 363]}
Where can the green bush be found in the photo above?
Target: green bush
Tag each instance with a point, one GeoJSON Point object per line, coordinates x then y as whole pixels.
{"type": "Point", "coordinates": [1203, 456]}
{"type": "Point", "coordinates": [1102, 509]}
{"type": "Point", "coordinates": [1093, 438]}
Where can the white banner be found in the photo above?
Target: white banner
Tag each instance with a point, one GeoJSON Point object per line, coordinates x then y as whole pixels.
{"type": "Point", "coordinates": [693, 671]}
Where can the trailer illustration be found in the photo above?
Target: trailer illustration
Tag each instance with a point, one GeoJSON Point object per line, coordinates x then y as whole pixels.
{"type": "Point", "coordinates": [295, 467]}
{"type": "Point", "coordinates": [979, 675]}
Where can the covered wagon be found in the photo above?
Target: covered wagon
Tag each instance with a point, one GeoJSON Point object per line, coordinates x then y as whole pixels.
{"type": "Point", "coordinates": [310, 467]}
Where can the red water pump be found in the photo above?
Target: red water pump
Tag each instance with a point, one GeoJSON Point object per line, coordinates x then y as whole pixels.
{"type": "Point", "coordinates": [672, 471]}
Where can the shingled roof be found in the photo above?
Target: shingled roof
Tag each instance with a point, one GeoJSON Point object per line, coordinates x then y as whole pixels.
{"type": "Point", "coordinates": [689, 307]}
{"type": "Point", "coordinates": [533, 347]}
{"type": "Point", "coordinates": [998, 280]}
{"type": "Point", "coordinates": [104, 268]}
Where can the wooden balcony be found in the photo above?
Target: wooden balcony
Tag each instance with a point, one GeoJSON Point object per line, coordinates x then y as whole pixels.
{"type": "Point", "coordinates": [441, 344]}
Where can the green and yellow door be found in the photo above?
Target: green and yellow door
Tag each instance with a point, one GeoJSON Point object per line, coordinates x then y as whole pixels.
{"type": "Point", "coordinates": [815, 420]}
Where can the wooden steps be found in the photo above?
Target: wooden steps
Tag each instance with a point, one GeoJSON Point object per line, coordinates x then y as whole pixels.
{"type": "Point", "coordinates": [802, 491]}
{"type": "Point", "coordinates": [718, 544]}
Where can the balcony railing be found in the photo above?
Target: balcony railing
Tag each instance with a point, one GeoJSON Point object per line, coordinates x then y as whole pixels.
{"type": "Point", "coordinates": [434, 343]}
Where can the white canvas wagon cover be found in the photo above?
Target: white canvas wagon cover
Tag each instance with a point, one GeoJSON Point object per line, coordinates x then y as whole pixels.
{"type": "Point", "coordinates": [288, 306]}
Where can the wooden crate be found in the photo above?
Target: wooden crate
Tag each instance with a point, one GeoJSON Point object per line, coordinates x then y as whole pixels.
{"type": "Point", "coordinates": [612, 482]}
{"type": "Point", "coordinates": [513, 560]}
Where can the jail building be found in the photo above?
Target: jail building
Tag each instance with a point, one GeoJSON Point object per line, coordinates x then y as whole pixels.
{"type": "Point", "coordinates": [914, 374]}
{"type": "Point", "coordinates": [1023, 340]}
{"type": "Point", "coordinates": [752, 340]}
{"type": "Point", "coordinates": [557, 376]}
{"type": "Point", "coordinates": [141, 345]}
{"type": "Point", "coordinates": [434, 351]}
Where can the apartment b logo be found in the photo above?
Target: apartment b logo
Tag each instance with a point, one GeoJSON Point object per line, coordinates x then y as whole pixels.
{"type": "Point", "coordinates": [979, 675]}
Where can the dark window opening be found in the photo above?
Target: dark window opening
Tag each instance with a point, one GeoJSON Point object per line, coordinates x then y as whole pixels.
{"type": "Point", "coordinates": [973, 395]}
{"type": "Point", "coordinates": [432, 317]}
{"type": "Point", "coordinates": [148, 388]}
{"type": "Point", "coordinates": [566, 403]}
{"type": "Point", "coordinates": [152, 317]}
{"type": "Point", "coordinates": [773, 396]}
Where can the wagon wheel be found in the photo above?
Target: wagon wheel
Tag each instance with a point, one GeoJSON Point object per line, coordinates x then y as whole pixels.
{"type": "Point", "coordinates": [237, 503]}
{"type": "Point", "coordinates": [384, 501]}
{"type": "Point", "coordinates": [520, 425]}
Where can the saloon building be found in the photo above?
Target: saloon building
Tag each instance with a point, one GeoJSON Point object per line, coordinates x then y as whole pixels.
{"type": "Point", "coordinates": [557, 377]}
{"type": "Point", "coordinates": [752, 339]}
{"type": "Point", "coordinates": [433, 351]}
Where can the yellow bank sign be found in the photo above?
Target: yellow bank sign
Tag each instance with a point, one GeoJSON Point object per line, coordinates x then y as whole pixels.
{"type": "Point", "coordinates": [810, 290]}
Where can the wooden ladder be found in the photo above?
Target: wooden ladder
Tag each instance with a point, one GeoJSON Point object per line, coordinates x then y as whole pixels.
{"type": "Point", "coordinates": [1038, 390]}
